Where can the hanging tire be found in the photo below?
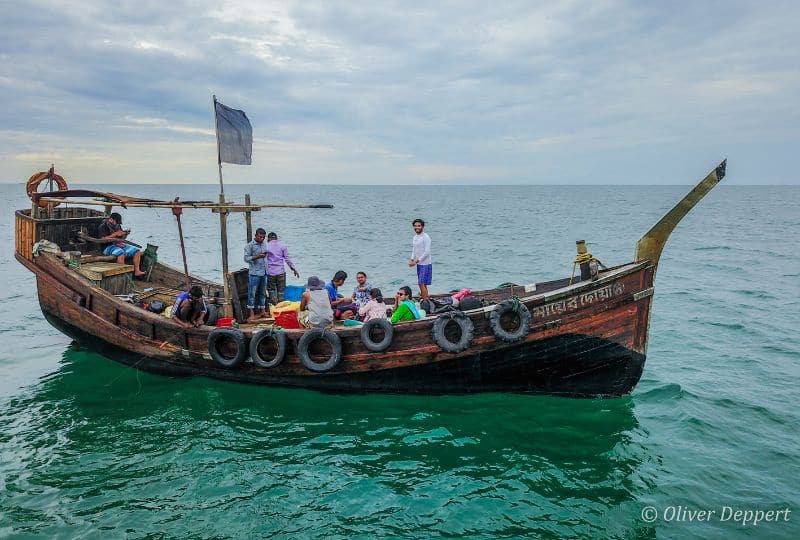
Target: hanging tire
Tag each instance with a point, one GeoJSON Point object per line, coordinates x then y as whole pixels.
{"type": "Point", "coordinates": [227, 346]}
{"type": "Point", "coordinates": [374, 324]}
{"type": "Point", "coordinates": [212, 315]}
{"type": "Point", "coordinates": [496, 321]}
{"type": "Point", "coordinates": [446, 338]}
{"type": "Point", "coordinates": [325, 335]}
{"type": "Point", "coordinates": [32, 187]}
{"type": "Point", "coordinates": [261, 340]}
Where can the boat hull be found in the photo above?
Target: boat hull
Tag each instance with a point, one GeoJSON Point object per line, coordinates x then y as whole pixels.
{"type": "Point", "coordinates": [584, 339]}
{"type": "Point", "coordinates": [597, 351]}
{"type": "Point", "coordinates": [567, 365]}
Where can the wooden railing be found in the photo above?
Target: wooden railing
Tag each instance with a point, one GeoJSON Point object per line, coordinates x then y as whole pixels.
{"type": "Point", "coordinates": [25, 234]}
{"type": "Point", "coordinates": [60, 227]}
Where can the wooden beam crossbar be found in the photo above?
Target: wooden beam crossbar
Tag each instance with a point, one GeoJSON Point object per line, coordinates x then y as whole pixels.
{"type": "Point", "coordinates": [215, 207]}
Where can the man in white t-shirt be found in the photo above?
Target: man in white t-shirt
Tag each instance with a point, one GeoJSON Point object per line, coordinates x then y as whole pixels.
{"type": "Point", "coordinates": [421, 257]}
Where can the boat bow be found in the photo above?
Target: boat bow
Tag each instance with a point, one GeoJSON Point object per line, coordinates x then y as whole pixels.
{"type": "Point", "coordinates": [650, 246]}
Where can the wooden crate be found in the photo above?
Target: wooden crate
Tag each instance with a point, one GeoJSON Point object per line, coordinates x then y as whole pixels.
{"type": "Point", "coordinates": [112, 277]}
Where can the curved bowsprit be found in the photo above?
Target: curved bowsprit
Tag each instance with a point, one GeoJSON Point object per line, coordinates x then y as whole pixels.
{"type": "Point", "coordinates": [650, 246]}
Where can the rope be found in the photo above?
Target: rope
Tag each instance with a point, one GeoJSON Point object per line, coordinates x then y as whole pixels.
{"type": "Point", "coordinates": [515, 303]}
{"type": "Point", "coordinates": [583, 258]}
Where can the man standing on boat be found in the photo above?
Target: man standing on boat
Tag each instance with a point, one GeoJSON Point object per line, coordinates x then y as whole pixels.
{"type": "Point", "coordinates": [421, 256]}
{"type": "Point", "coordinates": [255, 254]}
{"type": "Point", "coordinates": [112, 228]}
{"type": "Point", "coordinates": [277, 256]}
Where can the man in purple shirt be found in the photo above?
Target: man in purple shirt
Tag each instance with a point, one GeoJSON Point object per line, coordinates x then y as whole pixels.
{"type": "Point", "coordinates": [277, 255]}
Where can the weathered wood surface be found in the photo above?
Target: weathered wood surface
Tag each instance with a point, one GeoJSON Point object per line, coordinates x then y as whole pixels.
{"type": "Point", "coordinates": [605, 312]}
{"type": "Point", "coordinates": [586, 339]}
{"type": "Point", "coordinates": [96, 271]}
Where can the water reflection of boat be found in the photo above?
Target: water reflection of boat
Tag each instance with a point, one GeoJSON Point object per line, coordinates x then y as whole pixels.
{"type": "Point", "coordinates": [117, 444]}
{"type": "Point", "coordinates": [584, 337]}
{"type": "Point", "coordinates": [91, 389]}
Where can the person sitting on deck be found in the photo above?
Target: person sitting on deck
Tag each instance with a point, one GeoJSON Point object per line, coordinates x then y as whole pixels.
{"type": "Point", "coordinates": [375, 308]}
{"type": "Point", "coordinates": [404, 307]}
{"type": "Point", "coordinates": [315, 307]}
{"type": "Point", "coordinates": [343, 308]}
{"type": "Point", "coordinates": [361, 290]}
{"type": "Point", "coordinates": [190, 308]}
{"type": "Point", "coordinates": [112, 228]}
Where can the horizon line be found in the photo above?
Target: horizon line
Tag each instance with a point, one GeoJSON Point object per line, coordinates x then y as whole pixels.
{"type": "Point", "coordinates": [401, 185]}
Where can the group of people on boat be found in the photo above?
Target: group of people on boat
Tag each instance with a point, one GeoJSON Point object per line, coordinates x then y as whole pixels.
{"type": "Point", "coordinates": [322, 303]}
{"type": "Point", "coordinates": [267, 257]}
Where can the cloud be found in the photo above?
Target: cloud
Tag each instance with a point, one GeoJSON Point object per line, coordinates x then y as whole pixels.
{"type": "Point", "coordinates": [392, 92]}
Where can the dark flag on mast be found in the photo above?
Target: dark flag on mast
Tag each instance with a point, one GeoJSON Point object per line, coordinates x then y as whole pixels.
{"type": "Point", "coordinates": [234, 135]}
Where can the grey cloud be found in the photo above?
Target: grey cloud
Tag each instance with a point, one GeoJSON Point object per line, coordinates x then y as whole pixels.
{"type": "Point", "coordinates": [509, 89]}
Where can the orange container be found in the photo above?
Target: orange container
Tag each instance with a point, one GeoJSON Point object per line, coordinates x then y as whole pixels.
{"type": "Point", "coordinates": [287, 319]}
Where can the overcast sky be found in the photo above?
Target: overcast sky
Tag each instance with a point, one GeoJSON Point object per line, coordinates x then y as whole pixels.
{"type": "Point", "coordinates": [605, 92]}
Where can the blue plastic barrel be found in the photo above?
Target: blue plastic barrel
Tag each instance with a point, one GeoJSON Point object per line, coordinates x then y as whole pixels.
{"type": "Point", "coordinates": [293, 293]}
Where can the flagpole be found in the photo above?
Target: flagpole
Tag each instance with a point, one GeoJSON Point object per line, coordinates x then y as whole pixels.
{"type": "Point", "coordinates": [223, 225]}
{"type": "Point", "coordinates": [219, 157]}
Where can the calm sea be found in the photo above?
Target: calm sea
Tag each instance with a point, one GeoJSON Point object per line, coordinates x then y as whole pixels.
{"type": "Point", "coordinates": [90, 448]}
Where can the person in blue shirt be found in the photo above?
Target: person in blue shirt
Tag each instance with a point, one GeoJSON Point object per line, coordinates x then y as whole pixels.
{"type": "Point", "coordinates": [190, 308]}
{"type": "Point", "coordinates": [343, 308]}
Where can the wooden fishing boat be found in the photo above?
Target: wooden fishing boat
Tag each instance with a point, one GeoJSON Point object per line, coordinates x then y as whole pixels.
{"type": "Point", "coordinates": [575, 336]}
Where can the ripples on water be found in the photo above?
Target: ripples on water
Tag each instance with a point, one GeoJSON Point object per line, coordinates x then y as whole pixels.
{"type": "Point", "coordinates": [92, 448]}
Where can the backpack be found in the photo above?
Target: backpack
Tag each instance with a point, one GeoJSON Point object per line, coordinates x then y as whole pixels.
{"type": "Point", "coordinates": [469, 302]}
{"type": "Point", "coordinates": [434, 306]}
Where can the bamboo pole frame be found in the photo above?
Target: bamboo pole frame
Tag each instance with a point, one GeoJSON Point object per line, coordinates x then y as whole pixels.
{"type": "Point", "coordinates": [214, 207]}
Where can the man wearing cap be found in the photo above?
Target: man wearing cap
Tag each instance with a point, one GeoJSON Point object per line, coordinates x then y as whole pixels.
{"type": "Point", "coordinates": [111, 227]}
{"type": "Point", "coordinates": [315, 308]}
{"type": "Point", "coordinates": [277, 256]}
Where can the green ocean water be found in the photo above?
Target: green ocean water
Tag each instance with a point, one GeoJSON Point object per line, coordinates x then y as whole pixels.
{"type": "Point", "coordinates": [93, 449]}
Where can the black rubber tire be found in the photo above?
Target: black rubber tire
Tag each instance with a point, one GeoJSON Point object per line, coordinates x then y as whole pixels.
{"type": "Point", "coordinates": [467, 331]}
{"type": "Point", "coordinates": [212, 315]}
{"type": "Point", "coordinates": [388, 334]}
{"type": "Point", "coordinates": [279, 336]}
{"type": "Point", "coordinates": [501, 333]}
{"type": "Point", "coordinates": [218, 336]}
{"type": "Point", "coordinates": [311, 336]}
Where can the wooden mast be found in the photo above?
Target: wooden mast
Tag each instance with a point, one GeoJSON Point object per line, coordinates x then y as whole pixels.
{"type": "Point", "coordinates": [650, 245]}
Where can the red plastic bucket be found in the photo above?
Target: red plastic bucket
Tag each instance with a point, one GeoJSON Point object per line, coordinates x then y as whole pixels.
{"type": "Point", "coordinates": [225, 321]}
